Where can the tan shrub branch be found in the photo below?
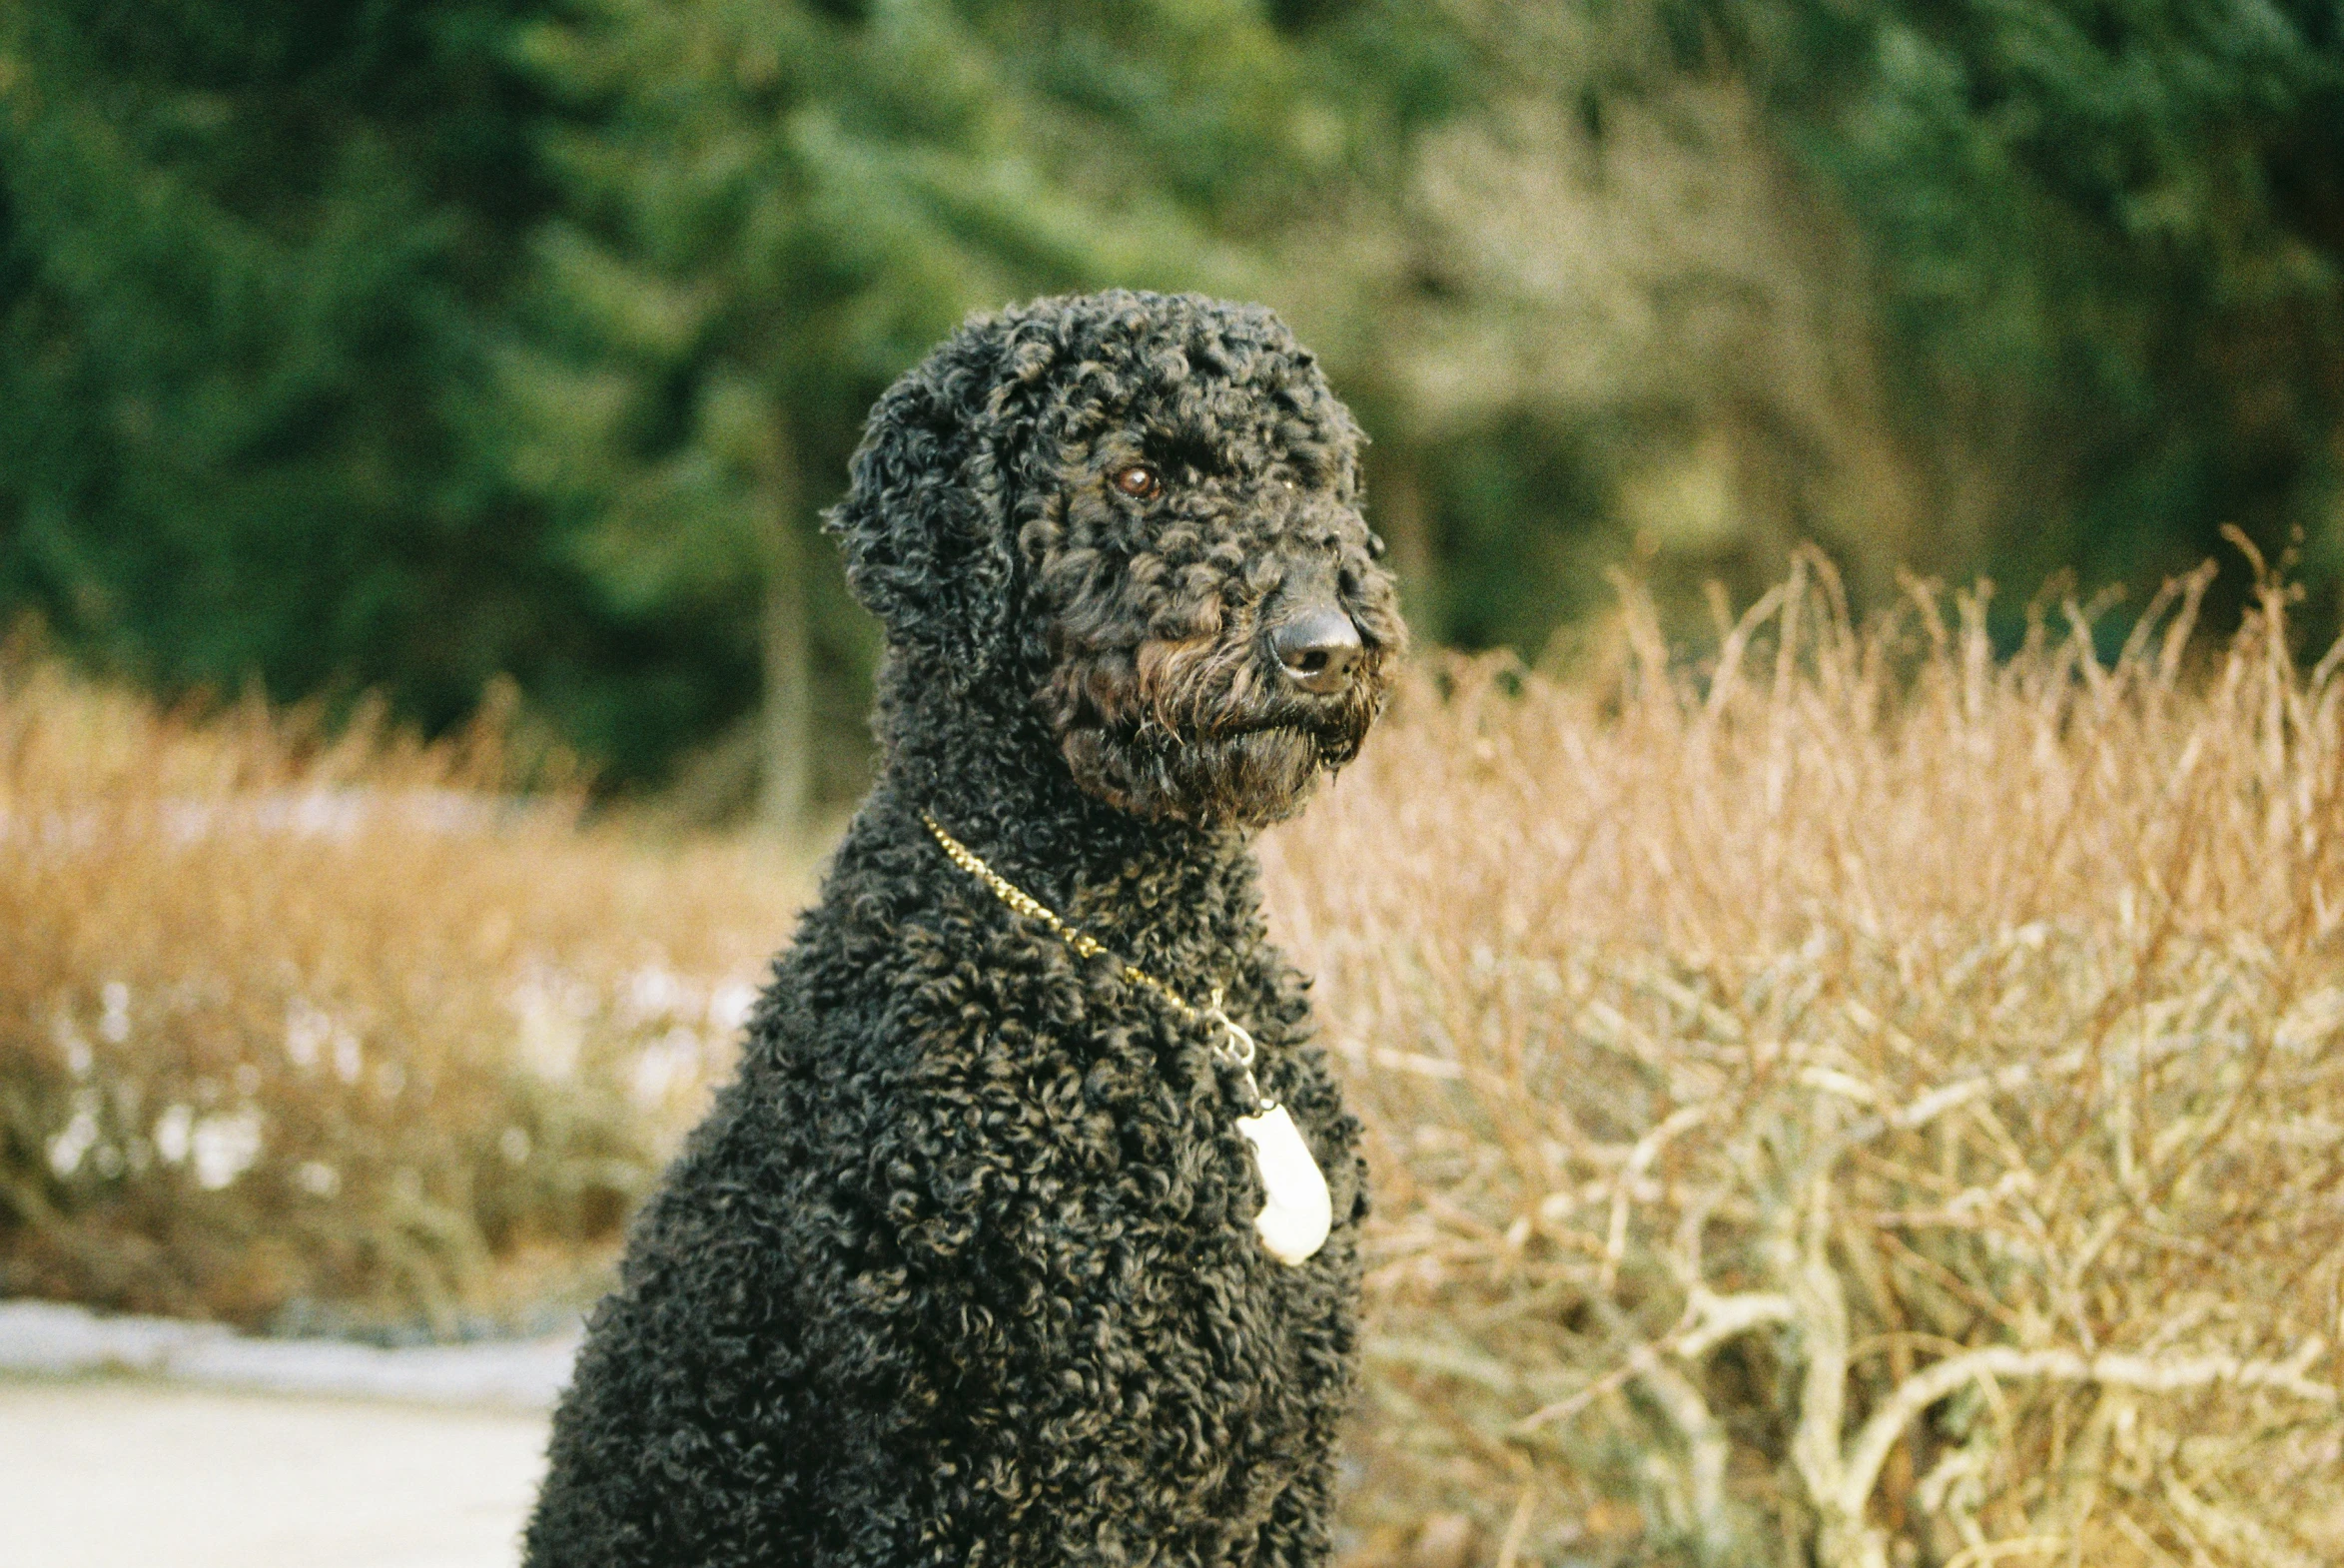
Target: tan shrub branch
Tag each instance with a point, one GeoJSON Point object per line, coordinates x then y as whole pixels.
{"type": "Point", "coordinates": [1710, 1321]}
{"type": "Point", "coordinates": [1716, 1318]}
{"type": "Point", "coordinates": [2142, 1375]}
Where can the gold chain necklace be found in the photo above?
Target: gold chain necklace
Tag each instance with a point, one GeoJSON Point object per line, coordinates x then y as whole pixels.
{"type": "Point", "coordinates": [1297, 1209]}
{"type": "Point", "coordinates": [1235, 1046]}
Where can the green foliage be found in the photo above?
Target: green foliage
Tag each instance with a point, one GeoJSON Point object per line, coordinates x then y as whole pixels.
{"type": "Point", "coordinates": [254, 262]}
{"type": "Point", "coordinates": [2114, 235]}
{"type": "Point", "coordinates": [238, 307]}
{"type": "Point", "coordinates": [406, 342]}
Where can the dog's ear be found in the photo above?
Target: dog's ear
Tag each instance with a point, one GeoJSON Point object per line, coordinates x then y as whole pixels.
{"type": "Point", "coordinates": [925, 525]}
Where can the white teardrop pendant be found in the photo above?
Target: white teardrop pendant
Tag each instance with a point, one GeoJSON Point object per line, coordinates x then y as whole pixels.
{"type": "Point", "coordinates": [1296, 1213]}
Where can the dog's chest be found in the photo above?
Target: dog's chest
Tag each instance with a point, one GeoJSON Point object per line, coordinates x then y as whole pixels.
{"type": "Point", "coordinates": [1175, 1149]}
{"type": "Point", "coordinates": [1187, 1345]}
{"type": "Point", "coordinates": [1126, 1181]}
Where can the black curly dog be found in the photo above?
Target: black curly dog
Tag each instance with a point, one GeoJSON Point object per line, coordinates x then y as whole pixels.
{"type": "Point", "coordinates": [962, 1268]}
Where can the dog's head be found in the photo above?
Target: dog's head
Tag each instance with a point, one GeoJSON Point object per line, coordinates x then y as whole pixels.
{"type": "Point", "coordinates": [1145, 510]}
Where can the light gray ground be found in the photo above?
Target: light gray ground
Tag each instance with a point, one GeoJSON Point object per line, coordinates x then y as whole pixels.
{"type": "Point", "coordinates": [123, 1473]}
{"type": "Point", "coordinates": [140, 1443]}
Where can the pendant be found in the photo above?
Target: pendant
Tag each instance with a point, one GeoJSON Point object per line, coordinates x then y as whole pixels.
{"type": "Point", "coordinates": [1296, 1212]}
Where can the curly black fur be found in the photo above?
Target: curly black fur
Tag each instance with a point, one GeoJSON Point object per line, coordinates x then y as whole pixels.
{"type": "Point", "coordinates": [961, 1271]}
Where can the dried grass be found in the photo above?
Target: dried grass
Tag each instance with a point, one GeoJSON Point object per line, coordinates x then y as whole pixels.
{"type": "Point", "coordinates": [331, 1031]}
{"type": "Point", "coordinates": [1860, 1102]}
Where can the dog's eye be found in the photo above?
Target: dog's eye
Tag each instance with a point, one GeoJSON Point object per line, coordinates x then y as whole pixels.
{"type": "Point", "coordinates": [1139, 482]}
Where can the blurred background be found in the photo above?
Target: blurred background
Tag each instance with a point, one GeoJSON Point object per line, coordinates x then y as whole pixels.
{"type": "Point", "coordinates": [405, 345]}
{"type": "Point", "coordinates": [1798, 425]}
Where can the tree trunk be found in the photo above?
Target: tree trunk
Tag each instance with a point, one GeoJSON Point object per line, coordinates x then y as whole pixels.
{"type": "Point", "coordinates": [785, 773]}
{"type": "Point", "coordinates": [1396, 508]}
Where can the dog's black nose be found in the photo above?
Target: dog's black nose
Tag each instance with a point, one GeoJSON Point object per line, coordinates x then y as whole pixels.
{"type": "Point", "coordinates": [1318, 650]}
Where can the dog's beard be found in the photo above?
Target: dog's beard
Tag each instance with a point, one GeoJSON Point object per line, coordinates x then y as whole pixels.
{"type": "Point", "coordinates": [1199, 733]}
{"type": "Point", "coordinates": [1203, 729]}
{"type": "Point", "coordinates": [1251, 778]}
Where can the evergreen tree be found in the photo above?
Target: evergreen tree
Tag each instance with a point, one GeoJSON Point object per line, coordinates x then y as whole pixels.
{"type": "Point", "coordinates": [2111, 237]}
{"type": "Point", "coordinates": [245, 251]}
